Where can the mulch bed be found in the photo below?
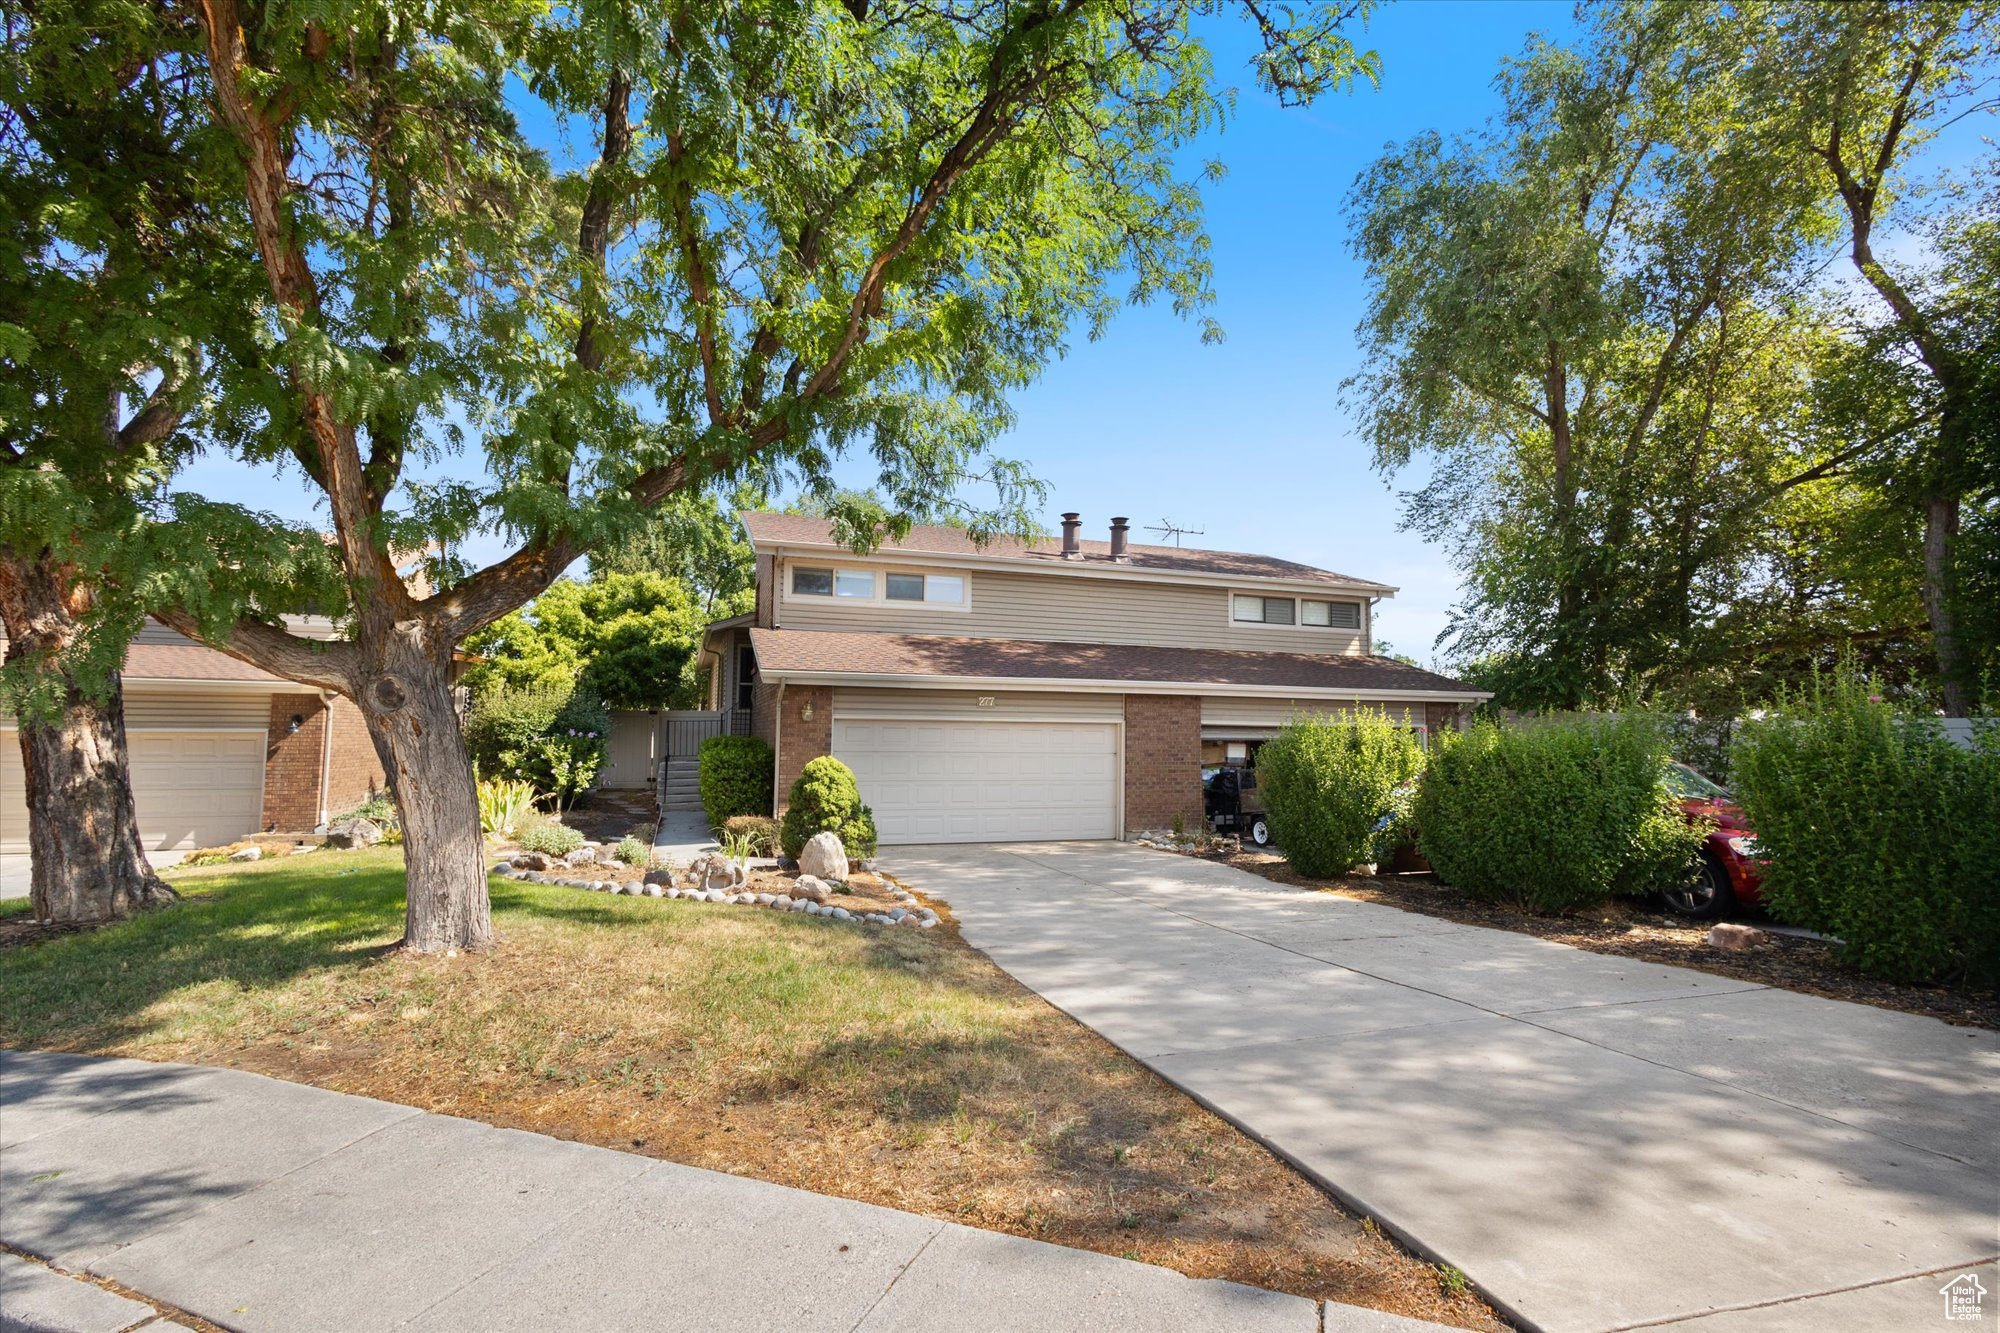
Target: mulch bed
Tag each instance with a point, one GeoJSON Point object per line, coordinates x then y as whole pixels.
{"type": "Point", "coordinates": [1630, 931]}
{"type": "Point", "coordinates": [607, 816]}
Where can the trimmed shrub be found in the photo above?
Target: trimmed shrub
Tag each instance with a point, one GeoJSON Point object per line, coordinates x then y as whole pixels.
{"type": "Point", "coordinates": [632, 852]}
{"type": "Point", "coordinates": [737, 773]}
{"type": "Point", "coordinates": [551, 736]}
{"type": "Point", "coordinates": [759, 832]}
{"type": "Point", "coordinates": [1330, 788]}
{"type": "Point", "coordinates": [1555, 815]}
{"type": "Point", "coordinates": [1874, 827]}
{"type": "Point", "coordinates": [544, 835]}
{"type": "Point", "coordinates": [826, 799]}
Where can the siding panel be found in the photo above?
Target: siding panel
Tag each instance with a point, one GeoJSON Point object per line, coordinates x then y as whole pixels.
{"type": "Point", "coordinates": [1222, 711]}
{"type": "Point", "coordinates": [916, 705]}
{"type": "Point", "coordinates": [1073, 610]}
{"type": "Point", "coordinates": [194, 709]}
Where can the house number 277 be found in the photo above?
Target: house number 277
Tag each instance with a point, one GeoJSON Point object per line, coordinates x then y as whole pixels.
{"type": "Point", "coordinates": [985, 701]}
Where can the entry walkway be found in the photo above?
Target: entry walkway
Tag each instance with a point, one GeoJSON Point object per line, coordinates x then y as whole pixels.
{"type": "Point", "coordinates": [1600, 1144]}
{"type": "Point", "coordinates": [258, 1204]}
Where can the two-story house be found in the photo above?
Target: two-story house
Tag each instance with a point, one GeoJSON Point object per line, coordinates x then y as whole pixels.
{"type": "Point", "coordinates": [1055, 689]}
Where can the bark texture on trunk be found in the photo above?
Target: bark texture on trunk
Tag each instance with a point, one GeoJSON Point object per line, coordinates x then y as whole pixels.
{"type": "Point", "coordinates": [407, 700]}
{"type": "Point", "coordinates": [89, 863]}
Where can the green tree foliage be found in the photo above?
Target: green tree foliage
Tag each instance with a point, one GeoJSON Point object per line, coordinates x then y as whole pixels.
{"type": "Point", "coordinates": [1669, 467]}
{"type": "Point", "coordinates": [792, 229]}
{"type": "Point", "coordinates": [1554, 816]}
{"type": "Point", "coordinates": [1851, 93]}
{"type": "Point", "coordinates": [698, 541]}
{"type": "Point", "coordinates": [633, 638]}
{"type": "Point", "coordinates": [1875, 828]}
{"type": "Point", "coordinates": [1329, 781]}
{"type": "Point", "coordinates": [737, 773]}
{"type": "Point", "coordinates": [550, 733]}
{"type": "Point", "coordinates": [825, 799]}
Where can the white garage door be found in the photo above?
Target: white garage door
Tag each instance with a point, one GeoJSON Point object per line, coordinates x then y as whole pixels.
{"type": "Point", "coordinates": [984, 781]}
{"type": "Point", "coordinates": [191, 788]}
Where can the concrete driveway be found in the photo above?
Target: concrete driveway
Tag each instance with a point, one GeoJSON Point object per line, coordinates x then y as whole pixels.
{"type": "Point", "coordinates": [1598, 1143]}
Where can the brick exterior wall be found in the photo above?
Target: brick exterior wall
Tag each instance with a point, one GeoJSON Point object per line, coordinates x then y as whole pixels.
{"type": "Point", "coordinates": [798, 739]}
{"type": "Point", "coordinates": [355, 774]}
{"type": "Point", "coordinates": [1445, 717]}
{"type": "Point", "coordinates": [1162, 760]}
{"type": "Point", "coordinates": [292, 762]}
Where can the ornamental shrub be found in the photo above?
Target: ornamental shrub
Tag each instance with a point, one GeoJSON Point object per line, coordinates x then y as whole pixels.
{"type": "Point", "coordinates": [551, 735]}
{"type": "Point", "coordinates": [1330, 787]}
{"type": "Point", "coordinates": [544, 835]}
{"type": "Point", "coordinates": [1554, 815]}
{"type": "Point", "coordinates": [758, 832]}
{"type": "Point", "coordinates": [826, 799]}
{"type": "Point", "coordinates": [736, 778]}
{"type": "Point", "coordinates": [1875, 828]}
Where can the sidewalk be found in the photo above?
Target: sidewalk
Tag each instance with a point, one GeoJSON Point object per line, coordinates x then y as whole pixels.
{"type": "Point", "coordinates": [683, 835]}
{"type": "Point", "coordinates": [258, 1204]}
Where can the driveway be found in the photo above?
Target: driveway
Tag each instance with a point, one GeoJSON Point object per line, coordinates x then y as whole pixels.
{"type": "Point", "coordinates": [1598, 1143]}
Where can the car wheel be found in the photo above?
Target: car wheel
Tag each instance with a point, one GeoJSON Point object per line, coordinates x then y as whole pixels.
{"type": "Point", "coordinates": [1260, 832]}
{"type": "Point", "coordinates": [1705, 897]}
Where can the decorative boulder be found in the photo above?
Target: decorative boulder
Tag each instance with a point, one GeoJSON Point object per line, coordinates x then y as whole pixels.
{"type": "Point", "coordinates": [823, 857]}
{"type": "Point", "coordinates": [531, 861]}
{"type": "Point", "coordinates": [664, 878]}
{"type": "Point", "coordinates": [354, 833]}
{"type": "Point", "coordinates": [811, 889]}
{"type": "Point", "coordinates": [1733, 938]}
{"type": "Point", "coordinates": [582, 856]}
{"type": "Point", "coordinates": [248, 854]}
{"type": "Point", "coordinates": [716, 872]}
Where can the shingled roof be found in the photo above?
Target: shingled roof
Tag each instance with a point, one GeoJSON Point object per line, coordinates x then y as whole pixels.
{"type": "Point", "coordinates": [767, 529]}
{"type": "Point", "coordinates": [783, 653]}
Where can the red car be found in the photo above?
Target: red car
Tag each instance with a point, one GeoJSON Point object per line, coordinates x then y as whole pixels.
{"type": "Point", "coordinates": [1729, 873]}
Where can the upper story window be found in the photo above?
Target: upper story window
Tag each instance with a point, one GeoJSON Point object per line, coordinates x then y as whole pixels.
{"type": "Point", "coordinates": [810, 582]}
{"type": "Point", "coordinates": [1310, 612]}
{"type": "Point", "coordinates": [925, 587]}
{"type": "Point", "coordinates": [860, 584]}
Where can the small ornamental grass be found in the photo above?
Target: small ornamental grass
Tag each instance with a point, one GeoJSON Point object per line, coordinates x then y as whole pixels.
{"type": "Point", "coordinates": [1875, 828]}
{"type": "Point", "coordinates": [759, 831]}
{"type": "Point", "coordinates": [504, 804]}
{"type": "Point", "coordinates": [825, 799]}
{"type": "Point", "coordinates": [736, 778]}
{"type": "Point", "coordinates": [1555, 815]}
{"type": "Point", "coordinates": [1330, 787]}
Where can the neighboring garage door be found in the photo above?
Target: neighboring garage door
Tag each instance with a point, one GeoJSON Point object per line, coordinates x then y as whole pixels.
{"type": "Point", "coordinates": [984, 781]}
{"type": "Point", "coordinates": [191, 788]}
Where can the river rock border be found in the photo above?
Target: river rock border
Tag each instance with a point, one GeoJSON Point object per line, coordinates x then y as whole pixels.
{"type": "Point", "coordinates": [909, 914]}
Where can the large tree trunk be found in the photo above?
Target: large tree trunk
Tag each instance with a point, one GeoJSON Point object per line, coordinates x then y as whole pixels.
{"type": "Point", "coordinates": [407, 699]}
{"type": "Point", "coordinates": [83, 835]}
{"type": "Point", "coordinates": [1940, 534]}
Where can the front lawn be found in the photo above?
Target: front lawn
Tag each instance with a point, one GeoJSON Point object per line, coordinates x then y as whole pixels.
{"type": "Point", "coordinates": [898, 1067]}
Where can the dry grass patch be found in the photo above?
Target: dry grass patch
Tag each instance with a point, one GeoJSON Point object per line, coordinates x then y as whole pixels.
{"type": "Point", "coordinates": [897, 1067]}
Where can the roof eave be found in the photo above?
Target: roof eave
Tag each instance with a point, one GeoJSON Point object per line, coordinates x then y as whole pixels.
{"type": "Point", "coordinates": [1104, 569]}
{"type": "Point", "coordinates": [929, 680]}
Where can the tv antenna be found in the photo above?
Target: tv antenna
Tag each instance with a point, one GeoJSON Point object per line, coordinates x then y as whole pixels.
{"type": "Point", "coordinates": [1166, 528]}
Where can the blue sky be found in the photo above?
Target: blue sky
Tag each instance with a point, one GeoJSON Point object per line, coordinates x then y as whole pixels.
{"type": "Point", "coordinates": [1244, 440]}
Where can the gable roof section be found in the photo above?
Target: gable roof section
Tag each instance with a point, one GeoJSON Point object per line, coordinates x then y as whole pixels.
{"type": "Point", "coordinates": [811, 655]}
{"type": "Point", "coordinates": [767, 530]}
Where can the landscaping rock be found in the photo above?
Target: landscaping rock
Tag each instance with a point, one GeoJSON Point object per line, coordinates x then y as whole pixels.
{"type": "Point", "coordinates": [810, 888]}
{"type": "Point", "coordinates": [350, 833]}
{"type": "Point", "coordinates": [898, 913]}
{"type": "Point", "coordinates": [910, 921]}
{"type": "Point", "coordinates": [716, 871]}
{"type": "Point", "coordinates": [1729, 936]}
{"type": "Point", "coordinates": [248, 854]}
{"type": "Point", "coordinates": [842, 914]}
{"type": "Point", "coordinates": [664, 877]}
{"type": "Point", "coordinates": [582, 856]}
{"type": "Point", "coordinates": [783, 902]}
{"type": "Point", "coordinates": [653, 890]}
{"type": "Point", "coordinates": [764, 899]}
{"type": "Point", "coordinates": [823, 857]}
{"type": "Point", "coordinates": [531, 861]}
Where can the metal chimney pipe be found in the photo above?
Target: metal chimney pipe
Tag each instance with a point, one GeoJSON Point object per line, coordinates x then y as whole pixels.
{"type": "Point", "coordinates": [1070, 547]}
{"type": "Point", "coordinates": [1118, 530]}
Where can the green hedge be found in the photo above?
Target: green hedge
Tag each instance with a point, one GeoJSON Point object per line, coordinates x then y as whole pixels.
{"type": "Point", "coordinates": [826, 799]}
{"type": "Point", "coordinates": [737, 773]}
{"type": "Point", "coordinates": [1555, 815]}
{"type": "Point", "coordinates": [1875, 828]}
{"type": "Point", "coordinates": [1327, 783]}
{"type": "Point", "coordinates": [551, 735]}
